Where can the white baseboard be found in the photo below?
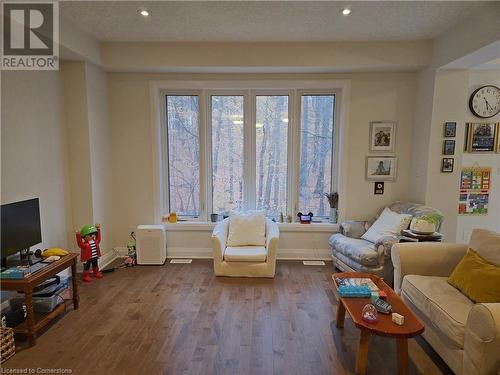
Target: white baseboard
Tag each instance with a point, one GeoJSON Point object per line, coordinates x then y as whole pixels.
{"type": "Point", "coordinates": [103, 261]}
{"type": "Point", "coordinates": [304, 254]}
{"type": "Point", "coordinates": [107, 258]}
{"type": "Point", "coordinates": [283, 254]}
{"type": "Point", "coordinates": [189, 252]}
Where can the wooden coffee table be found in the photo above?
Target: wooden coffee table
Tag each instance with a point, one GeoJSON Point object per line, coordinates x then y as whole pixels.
{"type": "Point", "coordinates": [384, 327]}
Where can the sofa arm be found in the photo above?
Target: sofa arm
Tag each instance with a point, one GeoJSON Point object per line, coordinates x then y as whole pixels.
{"type": "Point", "coordinates": [353, 228]}
{"type": "Point", "coordinates": [219, 239]}
{"type": "Point", "coordinates": [482, 340]}
{"type": "Point", "coordinates": [424, 258]}
{"type": "Point", "coordinates": [272, 238]}
{"type": "Point", "coordinates": [384, 246]}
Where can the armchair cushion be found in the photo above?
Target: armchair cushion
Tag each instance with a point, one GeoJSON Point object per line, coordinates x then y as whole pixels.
{"type": "Point", "coordinates": [389, 223]}
{"type": "Point", "coordinates": [247, 230]}
{"type": "Point", "coordinates": [353, 228]}
{"type": "Point", "coordinates": [441, 303]}
{"type": "Point", "coordinates": [363, 252]}
{"type": "Point", "coordinates": [245, 254]}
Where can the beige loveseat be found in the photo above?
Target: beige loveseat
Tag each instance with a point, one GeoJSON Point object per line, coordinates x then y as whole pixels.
{"type": "Point", "coordinates": [245, 261]}
{"type": "Point", "coordinates": [465, 334]}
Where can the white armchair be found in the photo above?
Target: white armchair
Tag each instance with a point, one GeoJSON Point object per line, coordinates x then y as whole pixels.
{"type": "Point", "coordinates": [245, 261]}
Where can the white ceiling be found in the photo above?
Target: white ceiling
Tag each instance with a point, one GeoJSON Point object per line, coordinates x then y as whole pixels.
{"type": "Point", "coordinates": [492, 65]}
{"type": "Point", "coordinates": [246, 21]}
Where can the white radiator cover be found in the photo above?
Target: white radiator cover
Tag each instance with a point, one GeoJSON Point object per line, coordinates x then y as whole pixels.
{"type": "Point", "coordinates": [151, 244]}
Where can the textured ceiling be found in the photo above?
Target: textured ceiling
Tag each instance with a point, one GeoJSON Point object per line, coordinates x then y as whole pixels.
{"type": "Point", "coordinates": [265, 20]}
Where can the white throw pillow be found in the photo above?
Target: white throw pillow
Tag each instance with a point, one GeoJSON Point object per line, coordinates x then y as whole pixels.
{"type": "Point", "coordinates": [247, 230]}
{"type": "Point", "coordinates": [389, 223]}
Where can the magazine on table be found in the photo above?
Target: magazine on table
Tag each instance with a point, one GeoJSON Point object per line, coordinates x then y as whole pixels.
{"type": "Point", "coordinates": [358, 281]}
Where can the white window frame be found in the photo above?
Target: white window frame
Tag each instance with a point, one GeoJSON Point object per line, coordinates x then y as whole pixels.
{"type": "Point", "coordinates": [336, 93]}
{"type": "Point", "coordinates": [294, 89]}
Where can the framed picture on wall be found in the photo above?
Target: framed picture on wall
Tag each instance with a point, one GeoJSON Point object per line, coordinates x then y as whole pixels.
{"type": "Point", "coordinates": [381, 168]}
{"type": "Point", "coordinates": [450, 129]}
{"type": "Point", "coordinates": [447, 165]}
{"type": "Point", "coordinates": [482, 137]}
{"type": "Point", "coordinates": [449, 147]}
{"type": "Point", "coordinates": [382, 136]}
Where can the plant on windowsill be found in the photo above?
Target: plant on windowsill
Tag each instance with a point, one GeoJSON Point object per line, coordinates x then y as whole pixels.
{"type": "Point", "coordinates": [333, 200]}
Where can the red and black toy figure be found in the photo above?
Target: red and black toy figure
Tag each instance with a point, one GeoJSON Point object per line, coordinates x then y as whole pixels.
{"type": "Point", "coordinates": [88, 239]}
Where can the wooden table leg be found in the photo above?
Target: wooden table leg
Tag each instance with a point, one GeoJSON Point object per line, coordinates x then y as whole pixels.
{"type": "Point", "coordinates": [362, 356]}
{"type": "Point", "coordinates": [402, 344]}
{"type": "Point", "coordinates": [30, 319]}
{"type": "Point", "coordinates": [74, 285]}
{"type": "Point", "coordinates": [340, 315]}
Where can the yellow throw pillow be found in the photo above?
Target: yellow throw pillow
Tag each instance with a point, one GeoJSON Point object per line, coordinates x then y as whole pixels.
{"type": "Point", "coordinates": [477, 278]}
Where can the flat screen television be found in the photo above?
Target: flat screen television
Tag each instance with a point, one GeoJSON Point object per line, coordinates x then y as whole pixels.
{"type": "Point", "coordinates": [20, 226]}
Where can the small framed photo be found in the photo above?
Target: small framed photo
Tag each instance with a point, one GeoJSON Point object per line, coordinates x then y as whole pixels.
{"type": "Point", "coordinates": [381, 168]}
{"type": "Point", "coordinates": [447, 165]}
{"type": "Point", "coordinates": [382, 136]}
{"type": "Point", "coordinates": [482, 137]}
{"type": "Point", "coordinates": [450, 129]}
{"type": "Point", "coordinates": [449, 147]}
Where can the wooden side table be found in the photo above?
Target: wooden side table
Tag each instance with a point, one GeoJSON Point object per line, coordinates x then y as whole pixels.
{"type": "Point", "coordinates": [35, 322]}
{"type": "Point", "coordinates": [408, 236]}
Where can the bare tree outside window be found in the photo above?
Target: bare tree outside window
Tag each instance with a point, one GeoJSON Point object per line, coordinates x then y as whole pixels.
{"type": "Point", "coordinates": [183, 154]}
{"type": "Point", "coordinates": [227, 152]}
{"type": "Point", "coordinates": [271, 153]}
{"type": "Point", "coordinates": [316, 143]}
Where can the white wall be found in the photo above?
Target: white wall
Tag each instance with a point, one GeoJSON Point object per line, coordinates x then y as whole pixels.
{"type": "Point", "coordinates": [34, 150]}
{"type": "Point", "coordinates": [465, 224]}
{"type": "Point", "coordinates": [89, 139]}
{"type": "Point", "coordinates": [76, 120]}
{"type": "Point", "coordinates": [382, 96]}
{"type": "Point", "coordinates": [100, 151]}
{"type": "Point", "coordinates": [450, 104]}
{"type": "Point", "coordinates": [451, 92]}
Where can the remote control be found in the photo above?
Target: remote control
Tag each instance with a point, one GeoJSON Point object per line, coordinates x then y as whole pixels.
{"type": "Point", "coordinates": [382, 306]}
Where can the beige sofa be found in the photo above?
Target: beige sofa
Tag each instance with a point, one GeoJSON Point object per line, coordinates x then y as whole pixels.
{"type": "Point", "coordinates": [245, 261]}
{"type": "Point", "coordinates": [465, 334]}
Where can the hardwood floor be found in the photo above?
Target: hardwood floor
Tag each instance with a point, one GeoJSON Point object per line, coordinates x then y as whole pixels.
{"type": "Point", "coordinates": [181, 319]}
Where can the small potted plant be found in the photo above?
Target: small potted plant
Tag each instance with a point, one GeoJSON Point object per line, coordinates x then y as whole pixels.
{"type": "Point", "coordinates": [333, 200]}
{"type": "Point", "coordinates": [425, 224]}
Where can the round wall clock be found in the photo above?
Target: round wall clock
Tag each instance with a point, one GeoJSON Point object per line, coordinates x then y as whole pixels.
{"type": "Point", "coordinates": [485, 101]}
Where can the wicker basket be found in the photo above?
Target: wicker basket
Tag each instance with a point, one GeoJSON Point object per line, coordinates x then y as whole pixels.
{"type": "Point", "coordinates": [7, 343]}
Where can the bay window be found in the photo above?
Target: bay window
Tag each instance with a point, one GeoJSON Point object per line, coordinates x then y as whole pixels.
{"type": "Point", "coordinates": [260, 149]}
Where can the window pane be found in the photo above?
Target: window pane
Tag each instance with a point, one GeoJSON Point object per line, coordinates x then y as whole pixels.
{"type": "Point", "coordinates": [316, 153]}
{"type": "Point", "coordinates": [271, 151]}
{"type": "Point", "coordinates": [227, 153]}
{"type": "Point", "coordinates": [183, 154]}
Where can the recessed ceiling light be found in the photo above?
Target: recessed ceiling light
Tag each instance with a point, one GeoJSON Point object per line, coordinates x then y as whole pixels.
{"type": "Point", "coordinates": [143, 12]}
{"type": "Point", "coordinates": [346, 11]}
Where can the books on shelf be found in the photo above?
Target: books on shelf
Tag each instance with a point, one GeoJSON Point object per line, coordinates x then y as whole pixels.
{"type": "Point", "coordinates": [357, 281]}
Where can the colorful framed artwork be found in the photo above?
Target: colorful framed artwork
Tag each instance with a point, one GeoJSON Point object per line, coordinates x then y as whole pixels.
{"type": "Point", "coordinates": [382, 136]}
{"type": "Point", "coordinates": [381, 168]}
{"type": "Point", "coordinates": [450, 129]}
{"type": "Point", "coordinates": [482, 137]}
{"type": "Point", "coordinates": [449, 147]}
{"type": "Point", "coordinates": [447, 165]}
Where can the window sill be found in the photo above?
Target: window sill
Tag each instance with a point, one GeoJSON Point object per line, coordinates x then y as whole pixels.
{"type": "Point", "coordinates": [190, 226]}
